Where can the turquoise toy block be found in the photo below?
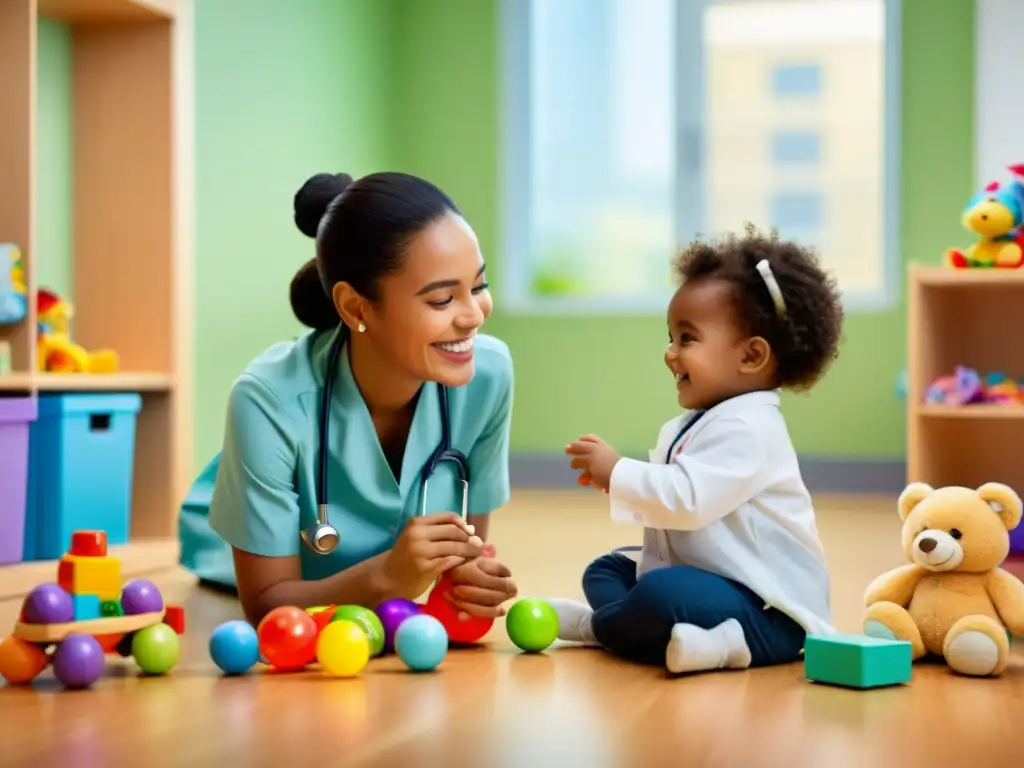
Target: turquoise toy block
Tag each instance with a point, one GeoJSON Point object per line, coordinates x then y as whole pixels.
{"type": "Point", "coordinates": [857, 661]}
{"type": "Point", "coordinates": [87, 607]}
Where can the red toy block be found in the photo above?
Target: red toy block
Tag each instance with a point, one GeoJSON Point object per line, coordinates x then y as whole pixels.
{"type": "Point", "coordinates": [174, 617]}
{"type": "Point", "coordinates": [89, 543]}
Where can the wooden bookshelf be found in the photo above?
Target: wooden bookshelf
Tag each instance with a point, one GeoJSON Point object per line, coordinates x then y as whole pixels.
{"type": "Point", "coordinates": [971, 318]}
{"type": "Point", "coordinates": [133, 115]}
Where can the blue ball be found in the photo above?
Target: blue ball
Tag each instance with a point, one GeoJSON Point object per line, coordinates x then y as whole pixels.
{"type": "Point", "coordinates": [235, 647]}
{"type": "Point", "coordinates": [421, 642]}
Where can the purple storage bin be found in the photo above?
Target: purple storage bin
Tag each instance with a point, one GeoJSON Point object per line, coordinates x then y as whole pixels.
{"type": "Point", "coordinates": [16, 414]}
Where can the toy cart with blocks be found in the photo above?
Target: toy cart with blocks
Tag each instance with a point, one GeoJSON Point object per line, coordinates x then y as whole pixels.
{"type": "Point", "coordinates": [75, 623]}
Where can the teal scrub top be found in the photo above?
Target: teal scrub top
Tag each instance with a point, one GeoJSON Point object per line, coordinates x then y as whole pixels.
{"type": "Point", "coordinates": [260, 491]}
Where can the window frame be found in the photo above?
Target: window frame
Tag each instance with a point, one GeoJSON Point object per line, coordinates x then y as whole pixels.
{"type": "Point", "coordinates": [513, 291]}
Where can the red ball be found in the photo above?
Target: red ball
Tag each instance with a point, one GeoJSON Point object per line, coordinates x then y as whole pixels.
{"type": "Point", "coordinates": [287, 637]}
{"type": "Point", "coordinates": [467, 630]}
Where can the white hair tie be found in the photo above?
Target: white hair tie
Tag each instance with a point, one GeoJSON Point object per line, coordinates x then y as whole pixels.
{"type": "Point", "coordinates": [772, 284]}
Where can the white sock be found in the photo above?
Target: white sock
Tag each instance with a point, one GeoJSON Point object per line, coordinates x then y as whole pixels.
{"type": "Point", "coordinates": [693, 649]}
{"type": "Point", "coordinates": [573, 620]}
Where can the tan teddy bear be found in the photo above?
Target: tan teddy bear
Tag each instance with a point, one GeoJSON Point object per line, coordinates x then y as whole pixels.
{"type": "Point", "coordinates": [953, 600]}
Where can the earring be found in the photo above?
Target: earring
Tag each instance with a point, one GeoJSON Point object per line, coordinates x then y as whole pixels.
{"type": "Point", "coordinates": [362, 328]}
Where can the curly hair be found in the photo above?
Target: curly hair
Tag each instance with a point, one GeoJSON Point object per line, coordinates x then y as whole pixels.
{"type": "Point", "coordinates": [805, 340]}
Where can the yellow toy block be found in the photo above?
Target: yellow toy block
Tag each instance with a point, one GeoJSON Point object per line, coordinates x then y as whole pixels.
{"type": "Point", "coordinates": [100, 576]}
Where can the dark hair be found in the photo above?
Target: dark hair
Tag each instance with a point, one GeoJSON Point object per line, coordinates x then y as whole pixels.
{"type": "Point", "coordinates": [361, 229]}
{"type": "Point", "coordinates": [805, 340]}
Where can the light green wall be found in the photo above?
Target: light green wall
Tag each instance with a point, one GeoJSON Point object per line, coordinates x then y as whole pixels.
{"type": "Point", "coordinates": [364, 85]}
{"type": "Point", "coordinates": [283, 90]}
{"type": "Point", "coordinates": [618, 387]}
{"type": "Point", "coordinates": [54, 148]}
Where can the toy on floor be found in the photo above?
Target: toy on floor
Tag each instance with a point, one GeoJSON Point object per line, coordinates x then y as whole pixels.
{"type": "Point", "coordinates": [460, 626]}
{"type": "Point", "coordinates": [421, 642]}
{"type": "Point", "coordinates": [952, 600]}
{"type": "Point", "coordinates": [235, 647]}
{"type": "Point", "coordinates": [532, 624]}
{"type": "Point", "coordinates": [343, 649]}
{"type": "Point", "coordinates": [13, 290]}
{"type": "Point", "coordinates": [287, 637]}
{"type": "Point", "coordinates": [994, 215]}
{"type": "Point", "coordinates": [857, 661]}
{"type": "Point", "coordinates": [965, 386]}
{"type": "Point", "coordinates": [391, 614]}
{"type": "Point", "coordinates": [88, 613]}
{"type": "Point", "coordinates": [341, 639]}
{"type": "Point", "coordinates": [57, 352]}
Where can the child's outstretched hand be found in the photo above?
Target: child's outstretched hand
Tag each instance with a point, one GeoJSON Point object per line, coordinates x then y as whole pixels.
{"type": "Point", "coordinates": [595, 459]}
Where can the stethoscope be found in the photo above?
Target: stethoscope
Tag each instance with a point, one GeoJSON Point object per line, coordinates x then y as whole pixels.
{"type": "Point", "coordinates": [322, 537]}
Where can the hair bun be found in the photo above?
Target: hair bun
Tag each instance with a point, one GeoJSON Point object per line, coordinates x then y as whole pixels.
{"type": "Point", "coordinates": [313, 198]}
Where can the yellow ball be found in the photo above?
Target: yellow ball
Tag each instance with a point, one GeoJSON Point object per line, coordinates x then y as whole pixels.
{"type": "Point", "coordinates": [342, 649]}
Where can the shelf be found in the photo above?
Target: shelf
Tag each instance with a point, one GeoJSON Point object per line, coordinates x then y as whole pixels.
{"type": "Point", "coordinates": [84, 12]}
{"type": "Point", "coordinates": [95, 382]}
{"type": "Point", "coordinates": [139, 558]}
{"type": "Point", "coordinates": [972, 411]}
{"type": "Point", "coordinates": [945, 277]}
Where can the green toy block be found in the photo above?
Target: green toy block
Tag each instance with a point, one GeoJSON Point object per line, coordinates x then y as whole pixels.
{"type": "Point", "coordinates": [111, 608]}
{"type": "Point", "coordinates": [857, 661]}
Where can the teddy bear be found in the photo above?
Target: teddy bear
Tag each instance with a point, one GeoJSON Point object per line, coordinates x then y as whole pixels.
{"type": "Point", "coordinates": [952, 600]}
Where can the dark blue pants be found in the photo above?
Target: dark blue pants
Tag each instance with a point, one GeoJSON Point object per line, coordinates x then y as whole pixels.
{"type": "Point", "coordinates": [634, 618]}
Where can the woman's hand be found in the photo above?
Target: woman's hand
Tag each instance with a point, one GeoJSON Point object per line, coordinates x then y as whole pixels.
{"type": "Point", "coordinates": [480, 587]}
{"type": "Point", "coordinates": [427, 547]}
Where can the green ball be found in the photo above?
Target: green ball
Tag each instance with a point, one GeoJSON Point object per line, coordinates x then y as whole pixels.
{"type": "Point", "coordinates": [532, 624]}
{"type": "Point", "coordinates": [366, 620]}
{"type": "Point", "coordinates": [156, 649]}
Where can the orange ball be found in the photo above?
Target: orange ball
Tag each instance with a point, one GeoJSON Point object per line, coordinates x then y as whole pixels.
{"type": "Point", "coordinates": [21, 662]}
{"type": "Point", "coordinates": [460, 630]}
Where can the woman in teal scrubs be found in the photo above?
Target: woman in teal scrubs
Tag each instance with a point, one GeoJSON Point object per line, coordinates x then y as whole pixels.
{"type": "Point", "coordinates": [398, 273]}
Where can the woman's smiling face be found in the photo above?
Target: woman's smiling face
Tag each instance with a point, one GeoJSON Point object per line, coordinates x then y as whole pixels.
{"type": "Point", "coordinates": [429, 312]}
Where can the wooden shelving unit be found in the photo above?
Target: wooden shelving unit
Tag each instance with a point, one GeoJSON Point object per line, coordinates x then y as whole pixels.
{"type": "Point", "coordinates": [132, 250]}
{"type": "Point", "coordinates": [970, 318]}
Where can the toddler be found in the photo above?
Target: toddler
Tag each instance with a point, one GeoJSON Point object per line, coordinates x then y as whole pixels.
{"type": "Point", "coordinates": [732, 573]}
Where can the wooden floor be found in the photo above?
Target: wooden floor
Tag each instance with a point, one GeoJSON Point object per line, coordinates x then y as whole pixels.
{"type": "Point", "coordinates": [496, 707]}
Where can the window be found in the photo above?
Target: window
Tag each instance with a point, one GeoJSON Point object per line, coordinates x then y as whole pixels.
{"type": "Point", "coordinates": [796, 148]}
{"type": "Point", "coordinates": [796, 80]}
{"type": "Point", "coordinates": [797, 215]}
{"type": "Point", "coordinates": [632, 126]}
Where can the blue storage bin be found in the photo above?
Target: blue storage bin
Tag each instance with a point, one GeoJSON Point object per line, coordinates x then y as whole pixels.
{"type": "Point", "coordinates": [81, 462]}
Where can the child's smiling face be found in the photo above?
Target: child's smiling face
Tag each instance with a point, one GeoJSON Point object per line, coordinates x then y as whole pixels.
{"type": "Point", "coordinates": [710, 353]}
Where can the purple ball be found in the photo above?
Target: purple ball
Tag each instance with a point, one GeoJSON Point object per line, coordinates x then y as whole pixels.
{"type": "Point", "coordinates": [391, 614]}
{"type": "Point", "coordinates": [141, 596]}
{"type": "Point", "coordinates": [48, 604]}
{"type": "Point", "coordinates": [78, 661]}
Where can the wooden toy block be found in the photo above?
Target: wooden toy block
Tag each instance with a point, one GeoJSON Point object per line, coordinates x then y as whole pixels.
{"type": "Point", "coordinates": [174, 617]}
{"type": "Point", "coordinates": [111, 608]}
{"type": "Point", "coordinates": [100, 576]}
{"type": "Point", "coordinates": [857, 661]}
{"type": "Point", "coordinates": [87, 607]}
{"type": "Point", "coordinates": [88, 544]}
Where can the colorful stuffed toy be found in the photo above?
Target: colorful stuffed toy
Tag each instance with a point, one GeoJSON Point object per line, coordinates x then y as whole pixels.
{"type": "Point", "coordinates": [965, 386]}
{"type": "Point", "coordinates": [57, 353]}
{"type": "Point", "coordinates": [995, 215]}
{"type": "Point", "coordinates": [13, 291]}
{"type": "Point", "coordinates": [953, 600]}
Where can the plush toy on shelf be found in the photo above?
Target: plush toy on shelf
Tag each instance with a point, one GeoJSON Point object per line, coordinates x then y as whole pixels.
{"type": "Point", "coordinates": [13, 290]}
{"type": "Point", "coordinates": [57, 352]}
{"type": "Point", "coordinates": [953, 600]}
{"type": "Point", "coordinates": [995, 215]}
{"type": "Point", "coordinates": [965, 386]}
